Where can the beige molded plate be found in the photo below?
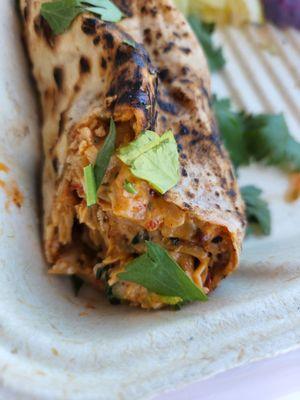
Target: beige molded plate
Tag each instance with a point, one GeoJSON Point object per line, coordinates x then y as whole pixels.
{"type": "Point", "coordinates": [55, 346]}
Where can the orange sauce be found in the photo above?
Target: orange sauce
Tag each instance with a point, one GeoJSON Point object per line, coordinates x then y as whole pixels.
{"type": "Point", "coordinates": [3, 167]}
{"type": "Point", "coordinates": [13, 194]}
{"type": "Point", "coordinates": [293, 192]}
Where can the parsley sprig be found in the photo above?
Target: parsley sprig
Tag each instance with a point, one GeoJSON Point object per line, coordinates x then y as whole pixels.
{"type": "Point", "coordinates": [61, 13]}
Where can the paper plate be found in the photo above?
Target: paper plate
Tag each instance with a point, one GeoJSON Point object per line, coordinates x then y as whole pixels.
{"type": "Point", "coordinates": [56, 346]}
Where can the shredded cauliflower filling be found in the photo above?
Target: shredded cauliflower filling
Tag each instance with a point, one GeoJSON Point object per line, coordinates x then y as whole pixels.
{"type": "Point", "coordinates": [114, 231]}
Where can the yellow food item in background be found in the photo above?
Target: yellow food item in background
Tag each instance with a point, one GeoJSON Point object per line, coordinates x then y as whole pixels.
{"type": "Point", "coordinates": [183, 5]}
{"type": "Point", "coordinates": [235, 12]}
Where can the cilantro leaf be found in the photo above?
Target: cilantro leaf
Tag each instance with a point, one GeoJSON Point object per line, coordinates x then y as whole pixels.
{"type": "Point", "coordinates": [153, 158]}
{"type": "Point", "coordinates": [129, 187]}
{"type": "Point", "coordinates": [204, 33]}
{"type": "Point", "coordinates": [61, 13]}
{"type": "Point", "coordinates": [94, 174]}
{"type": "Point", "coordinates": [108, 11]}
{"type": "Point", "coordinates": [105, 154]}
{"type": "Point", "coordinates": [146, 141]}
{"type": "Point", "coordinates": [262, 137]}
{"type": "Point", "coordinates": [160, 274]}
{"type": "Point", "coordinates": [232, 128]}
{"type": "Point", "coordinates": [257, 210]}
{"type": "Point", "coordinates": [269, 140]}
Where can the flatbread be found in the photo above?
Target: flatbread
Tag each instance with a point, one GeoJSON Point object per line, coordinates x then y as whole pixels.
{"type": "Point", "coordinates": [90, 74]}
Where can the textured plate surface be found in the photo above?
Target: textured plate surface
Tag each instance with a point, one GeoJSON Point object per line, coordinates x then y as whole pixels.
{"type": "Point", "coordinates": [56, 346]}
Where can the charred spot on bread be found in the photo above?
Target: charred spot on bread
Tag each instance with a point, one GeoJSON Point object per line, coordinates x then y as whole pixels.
{"type": "Point", "coordinates": [185, 70]}
{"type": "Point", "coordinates": [185, 50]}
{"type": "Point", "coordinates": [148, 36]}
{"type": "Point", "coordinates": [167, 106]}
{"type": "Point", "coordinates": [109, 40]}
{"type": "Point", "coordinates": [153, 11]}
{"type": "Point", "coordinates": [89, 26]}
{"type": "Point", "coordinates": [103, 63]}
{"type": "Point", "coordinates": [231, 193]}
{"type": "Point", "coordinates": [183, 130]}
{"type": "Point", "coordinates": [184, 172]}
{"type": "Point", "coordinates": [42, 27]}
{"type": "Point", "coordinates": [169, 47]}
{"type": "Point", "coordinates": [55, 164]}
{"type": "Point", "coordinates": [164, 74]}
{"type": "Point", "coordinates": [84, 65]}
{"type": "Point", "coordinates": [58, 75]}
{"type": "Point", "coordinates": [96, 40]}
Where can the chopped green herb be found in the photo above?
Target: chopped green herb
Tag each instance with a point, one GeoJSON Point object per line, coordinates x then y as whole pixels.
{"type": "Point", "coordinates": [129, 187]}
{"type": "Point", "coordinates": [160, 274]}
{"type": "Point", "coordinates": [94, 174]}
{"type": "Point", "coordinates": [257, 210]}
{"type": "Point", "coordinates": [263, 137]}
{"type": "Point", "coordinates": [204, 33]}
{"type": "Point", "coordinates": [153, 158]}
{"type": "Point", "coordinates": [232, 128]}
{"type": "Point", "coordinates": [90, 185]}
{"type": "Point", "coordinates": [269, 140]}
{"type": "Point", "coordinates": [130, 42]}
{"type": "Point", "coordinates": [108, 11]}
{"type": "Point", "coordinates": [61, 13]}
{"type": "Point", "coordinates": [146, 141]}
{"type": "Point", "coordinates": [105, 154]}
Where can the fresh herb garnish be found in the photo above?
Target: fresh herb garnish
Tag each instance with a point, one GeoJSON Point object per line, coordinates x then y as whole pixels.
{"type": "Point", "coordinates": [236, 133]}
{"type": "Point", "coordinates": [262, 137]}
{"type": "Point", "coordinates": [129, 187]}
{"type": "Point", "coordinates": [94, 174]}
{"type": "Point", "coordinates": [204, 33]}
{"type": "Point", "coordinates": [61, 13]}
{"type": "Point", "coordinates": [153, 158]}
{"type": "Point", "coordinates": [269, 140]}
{"type": "Point", "coordinates": [90, 185]}
{"type": "Point", "coordinates": [232, 128]}
{"type": "Point", "coordinates": [105, 154]}
{"type": "Point", "coordinates": [257, 210]}
{"type": "Point", "coordinates": [159, 273]}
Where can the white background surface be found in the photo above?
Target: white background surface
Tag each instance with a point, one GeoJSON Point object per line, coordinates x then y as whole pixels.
{"type": "Point", "coordinates": [274, 379]}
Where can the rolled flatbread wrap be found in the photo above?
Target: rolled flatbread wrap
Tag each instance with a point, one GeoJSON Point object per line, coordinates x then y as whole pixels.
{"type": "Point", "coordinates": [146, 73]}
